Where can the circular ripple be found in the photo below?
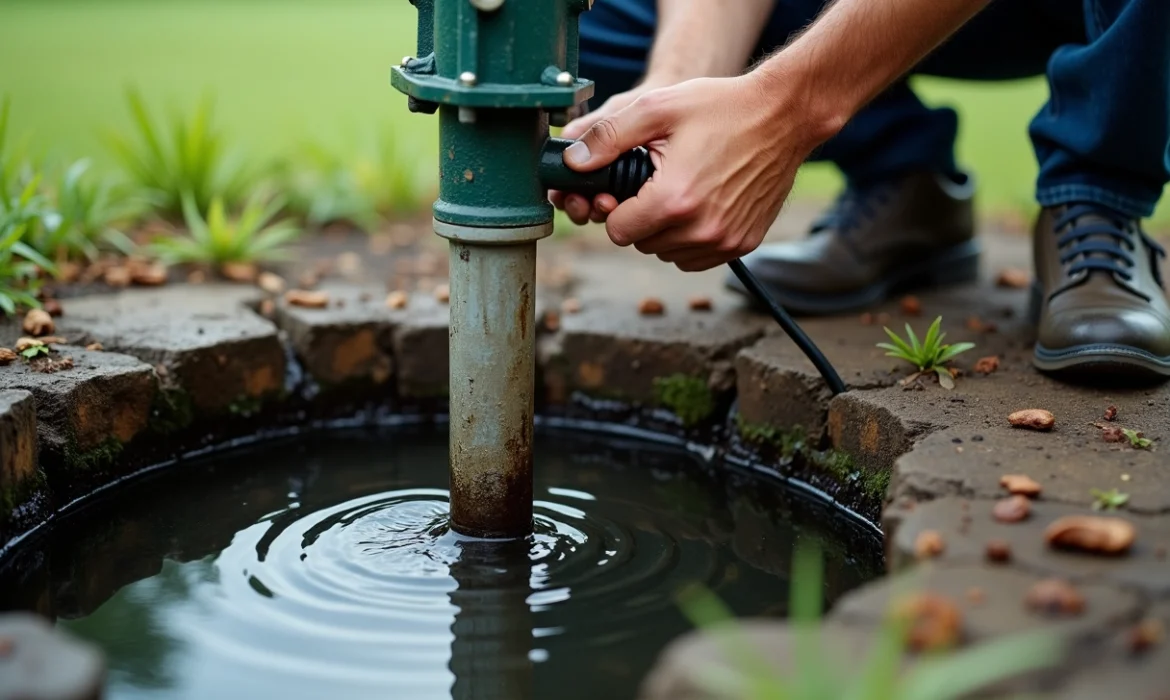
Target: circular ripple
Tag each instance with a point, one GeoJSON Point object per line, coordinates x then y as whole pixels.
{"type": "Point", "coordinates": [370, 592]}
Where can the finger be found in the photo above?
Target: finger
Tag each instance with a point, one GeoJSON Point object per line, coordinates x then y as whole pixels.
{"type": "Point", "coordinates": [557, 198]}
{"type": "Point", "coordinates": [639, 123]}
{"type": "Point", "coordinates": [677, 238]}
{"type": "Point", "coordinates": [701, 264]}
{"type": "Point", "coordinates": [603, 204]}
{"type": "Point", "coordinates": [653, 210]}
{"type": "Point", "coordinates": [574, 129]}
{"type": "Point", "coordinates": [578, 208]}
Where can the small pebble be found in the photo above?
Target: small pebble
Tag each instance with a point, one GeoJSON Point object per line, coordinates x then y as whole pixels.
{"type": "Point", "coordinates": [38, 322]}
{"type": "Point", "coordinates": [1012, 509]}
{"type": "Point", "coordinates": [936, 623]}
{"type": "Point", "coordinates": [7, 356]}
{"type": "Point", "coordinates": [306, 298]}
{"type": "Point", "coordinates": [1013, 278]}
{"type": "Point", "coordinates": [270, 282]}
{"type": "Point", "coordinates": [1111, 433]}
{"type": "Point", "coordinates": [866, 319]}
{"type": "Point", "coordinates": [1055, 597]}
{"type": "Point", "coordinates": [700, 303]}
{"type": "Point", "coordinates": [1125, 477]}
{"type": "Point", "coordinates": [117, 276]}
{"type": "Point", "coordinates": [94, 347]}
{"type": "Point", "coordinates": [197, 277]}
{"type": "Point", "coordinates": [154, 275]}
{"type": "Point", "coordinates": [23, 344]}
{"type": "Point", "coordinates": [986, 365]}
{"type": "Point", "coordinates": [397, 300]}
{"type": "Point", "coordinates": [1110, 413]}
{"type": "Point", "coordinates": [443, 294]}
{"type": "Point", "coordinates": [6, 647]}
{"type": "Point", "coordinates": [911, 306]}
{"type": "Point", "coordinates": [1020, 484]}
{"type": "Point", "coordinates": [1032, 419]}
{"type": "Point", "coordinates": [651, 307]}
{"type": "Point", "coordinates": [53, 307]}
{"type": "Point", "coordinates": [928, 544]}
{"type": "Point", "coordinates": [883, 318]}
{"type": "Point", "coordinates": [998, 551]}
{"type": "Point", "coordinates": [976, 595]}
{"type": "Point", "coordinates": [1091, 533]}
{"type": "Point", "coordinates": [1146, 634]}
{"type": "Point", "coordinates": [239, 271]}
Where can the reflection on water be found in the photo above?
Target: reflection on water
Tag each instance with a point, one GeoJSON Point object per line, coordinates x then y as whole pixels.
{"type": "Point", "coordinates": [324, 568]}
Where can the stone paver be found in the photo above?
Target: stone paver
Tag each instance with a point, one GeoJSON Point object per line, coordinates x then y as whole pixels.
{"type": "Point", "coordinates": [86, 414]}
{"type": "Point", "coordinates": [212, 351]}
{"type": "Point", "coordinates": [18, 448]}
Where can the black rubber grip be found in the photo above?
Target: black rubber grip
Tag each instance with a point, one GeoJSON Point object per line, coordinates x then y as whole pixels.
{"type": "Point", "coordinates": [621, 178]}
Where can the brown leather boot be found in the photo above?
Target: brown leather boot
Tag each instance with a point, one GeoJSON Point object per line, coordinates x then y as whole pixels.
{"type": "Point", "coordinates": [1099, 297]}
{"type": "Point", "coordinates": [873, 243]}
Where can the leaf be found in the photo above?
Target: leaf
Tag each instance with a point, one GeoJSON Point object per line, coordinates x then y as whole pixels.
{"type": "Point", "coordinates": [945, 379]}
{"type": "Point", "coordinates": [915, 347]}
{"type": "Point", "coordinates": [932, 339]}
{"type": "Point", "coordinates": [959, 674]}
{"type": "Point", "coordinates": [902, 345]}
{"type": "Point", "coordinates": [6, 303]}
{"type": "Point", "coordinates": [26, 252]}
{"type": "Point", "coordinates": [950, 351]}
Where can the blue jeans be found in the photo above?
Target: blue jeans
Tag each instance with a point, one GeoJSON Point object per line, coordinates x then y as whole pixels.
{"type": "Point", "coordinates": [1103, 136]}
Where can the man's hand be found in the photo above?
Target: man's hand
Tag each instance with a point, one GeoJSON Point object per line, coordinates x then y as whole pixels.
{"type": "Point", "coordinates": [725, 150]}
{"type": "Point", "coordinates": [579, 208]}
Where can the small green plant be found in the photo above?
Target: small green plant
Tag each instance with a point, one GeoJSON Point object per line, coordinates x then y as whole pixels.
{"type": "Point", "coordinates": [90, 212]}
{"type": "Point", "coordinates": [19, 269]}
{"type": "Point", "coordinates": [187, 157]}
{"type": "Point", "coordinates": [33, 351]}
{"type": "Point", "coordinates": [249, 238]}
{"type": "Point", "coordinates": [689, 397]}
{"type": "Point", "coordinates": [1108, 500]}
{"type": "Point", "coordinates": [931, 355]}
{"type": "Point", "coordinates": [817, 673]}
{"type": "Point", "coordinates": [1136, 439]}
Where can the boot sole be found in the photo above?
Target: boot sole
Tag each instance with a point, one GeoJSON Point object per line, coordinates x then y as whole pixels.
{"type": "Point", "coordinates": [1108, 361]}
{"type": "Point", "coordinates": [951, 266]}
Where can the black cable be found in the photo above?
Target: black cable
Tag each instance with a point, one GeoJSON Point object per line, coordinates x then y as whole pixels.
{"type": "Point", "coordinates": [806, 345]}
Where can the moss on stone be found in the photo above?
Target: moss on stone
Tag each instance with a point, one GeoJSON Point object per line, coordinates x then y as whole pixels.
{"type": "Point", "coordinates": [689, 397]}
{"type": "Point", "coordinates": [101, 456]}
{"type": "Point", "coordinates": [875, 484]}
{"type": "Point", "coordinates": [173, 410]}
{"type": "Point", "coordinates": [14, 495]}
{"type": "Point", "coordinates": [788, 441]}
{"type": "Point", "coordinates": [245, 406]}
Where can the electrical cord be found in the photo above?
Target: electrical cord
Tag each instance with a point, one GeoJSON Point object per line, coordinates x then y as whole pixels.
{"type": "Point", "coordinates": [623, 178]}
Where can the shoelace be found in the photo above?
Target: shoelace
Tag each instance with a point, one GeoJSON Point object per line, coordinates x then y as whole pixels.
{"type": "Point", "coordinates": [1104, 243]}
{"type": "Point", "coordinates": [852, 207]}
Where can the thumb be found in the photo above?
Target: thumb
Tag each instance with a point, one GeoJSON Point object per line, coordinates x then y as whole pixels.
{"type": "Point", "coordinates": [635, 125]}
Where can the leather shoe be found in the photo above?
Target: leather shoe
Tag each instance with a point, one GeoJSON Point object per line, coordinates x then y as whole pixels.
{"type": "Point", "coordinates": [914, 232]}
{"type": "Point", "coordinates": [1099, 297]}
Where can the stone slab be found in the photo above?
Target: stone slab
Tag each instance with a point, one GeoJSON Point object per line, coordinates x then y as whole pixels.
{"type": "Point", "coordinates": [104, 399]}
{"type": "Point", "coordinates": [18, 447]}
{"type": "Point", "coordinates": [967, 526]}
{"type": "Point", "coordinates": [211, 346]}
{"type": "Point", "coordinates": [45, 663]}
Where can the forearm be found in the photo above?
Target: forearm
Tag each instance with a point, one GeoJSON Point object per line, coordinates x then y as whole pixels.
{"type": "Point", "coordinates": [705, 38]}
{"type": "Point", "coordinates": [855, 50]}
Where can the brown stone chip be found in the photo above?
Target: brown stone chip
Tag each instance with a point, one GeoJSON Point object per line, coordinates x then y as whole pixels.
{"type": "Point", "coordinates": [306, 298]}
{"type": "Point", "coordinates": [978, 325]}
{"type": "Point", "coordinates": [1020, 484]}
{"type": "Point", "coordinates": [700, 303]}
{"type": "Point", "coordinates": [7, 646]}
{"type": "Point", "coordinates": [1055, 597]}
{"type": "Point", "coordinates": [397, 300]}
{"type": "Point", "coordinates": [987, 365]}
{"type": "Point", "coordinates": [6, 356]}
{"type": "Point", "coordinates": [196, 277]}
{"type": "Point", "coordinates": [117, 276]}
{"type": "Point", "coordinates": [1111, 433]}
{"type": "Point", "coordinates": [651, 307]}
{"type": "Point", "coordinates": [52, 307]}
{"type": "Point", "coordinates": [998, 551]}
{"type": "Point", "coordinates": [1148, 633]}
{"type": "Point", "coordinates": [935, 621]}
{"type": "Point", "coordinates": [866, 319]}
{"type": "Point", "coordinates": [443, 293]}
{"type": "Point", "coordinates": [54, 340]}
{"type": "Point", "coordinates": [270, 282]}
{"type": "Point", "coordinates": [152, 275]}
{"type": "Point", "coordinates": [239, 271]}
{"type": "Point", "coordinates": [928, 544]}
{"type": "Point", "coordinates": [571, 306]}
{"type": "Point", "coordinates": [1013, 278]}
{"type": "Point", "coordinates": [23, 344]}
{"type": "Point", "coordinates": [38, 322]}
{"type": "Point", "coordinates": [911, 306]}
{"type": "Point", "coordinates": [94, 347]}
{"type": "Point", "coordinates": [1091, 533]}
{"type": "Point", "coordinates": [1012, 509]}
{"type": "Point", "coordinates": [1110, 413]}
{"type": "Point", "coordinates": [1033, 419]}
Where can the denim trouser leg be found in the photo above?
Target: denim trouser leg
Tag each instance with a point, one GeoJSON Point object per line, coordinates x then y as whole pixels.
{"type": "Point", "coordinates": [1104, 135]}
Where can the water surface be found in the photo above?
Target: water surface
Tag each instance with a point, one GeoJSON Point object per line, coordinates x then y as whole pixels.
{"type": "Point", "coordinates": [323, 568]}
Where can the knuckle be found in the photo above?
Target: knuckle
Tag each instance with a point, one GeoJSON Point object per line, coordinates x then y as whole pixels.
{"type": "Point", "coordinates": [605, 132]}
{"type": "Point", "coordinates": [681, 205]}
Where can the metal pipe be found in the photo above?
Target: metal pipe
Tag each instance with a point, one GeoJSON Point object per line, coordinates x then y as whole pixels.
{"type": "Point", "coordinates": [492, 380]}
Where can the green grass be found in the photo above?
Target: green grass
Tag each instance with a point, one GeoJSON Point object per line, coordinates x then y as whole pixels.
{"type": "Point", "coordinates": [291, 71]}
